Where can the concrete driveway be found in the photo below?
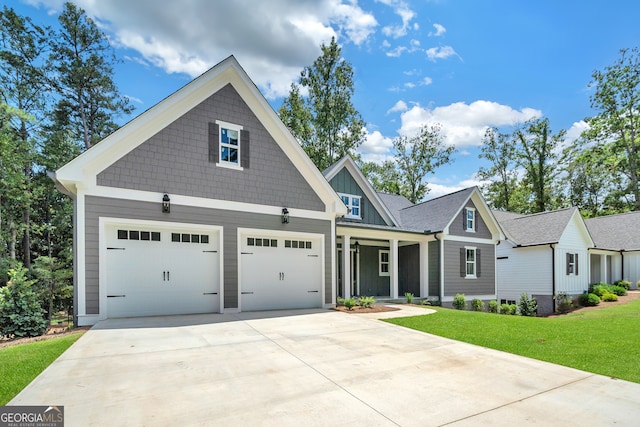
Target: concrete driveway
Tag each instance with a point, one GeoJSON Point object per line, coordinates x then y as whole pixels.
{"type": "Point", "coordinates": [312, 367]}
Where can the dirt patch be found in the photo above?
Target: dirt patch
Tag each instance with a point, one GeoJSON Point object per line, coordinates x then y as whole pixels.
{"type": "Point", "coordinates": [53, 332]}
{"type": "Point", "coordinates": [631, 296]}
{"type": "Point", "coordinates": [372, 309]}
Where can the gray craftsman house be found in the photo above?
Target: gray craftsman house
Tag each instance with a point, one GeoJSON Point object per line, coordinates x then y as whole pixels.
{"type": "Point", "coordinates": [387, 246]}
{"type": "Point", "coordinates": [204, 203]}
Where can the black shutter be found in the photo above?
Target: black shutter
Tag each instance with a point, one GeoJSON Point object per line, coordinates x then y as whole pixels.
{"type": "Point", "coordinates": [244, 149]}
{"type": "Point", "coordinates": [463, 262]}
{"type": "Point", "coordinates": [576, 262]}
{"type": "Point", "coordinates": [464, 219]}
{"type": "Point", "coordinates": [214, 143]}
{"type": "Point", "coordinates": [478, 269]}
{"type": "Point", "coordinates": [568, 261]}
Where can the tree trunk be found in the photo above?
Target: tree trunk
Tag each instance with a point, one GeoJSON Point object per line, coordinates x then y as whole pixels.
{"type": "Point", "coordinates": [12, 241]}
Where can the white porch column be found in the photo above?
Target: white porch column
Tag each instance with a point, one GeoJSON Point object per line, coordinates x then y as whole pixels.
{"type": "Point", "coordinates": [346, 267]}
{"type": "Point", "coordinates": [393, 245]}
{"type": "Point", "coordinates": [424, 269]}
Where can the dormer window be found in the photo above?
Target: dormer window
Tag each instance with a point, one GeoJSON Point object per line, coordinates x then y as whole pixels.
{"type": "Point", "coordinates": [470, 219]}
{"type": "Point", "coordinates": [353, 203]}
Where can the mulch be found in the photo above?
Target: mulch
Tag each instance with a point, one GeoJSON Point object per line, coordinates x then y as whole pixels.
{"type": "Point", "coordinates": [631, 296]}
{"type": "Point", "coordinates": [373, 309]}
{"type": "Point", "coordinates": [52, 332]}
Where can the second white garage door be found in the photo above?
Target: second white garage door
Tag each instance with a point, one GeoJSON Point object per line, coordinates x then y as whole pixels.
{"type": "Point", "coordinates": [280, 272]}
{"type": "Point", "coordinates": [153, 270]}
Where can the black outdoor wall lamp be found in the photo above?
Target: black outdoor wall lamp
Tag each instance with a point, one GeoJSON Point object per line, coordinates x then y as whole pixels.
{"type": "Point", "coordinates": [285, 216]}
{"type": "Point", "coordinates": [166, 204]}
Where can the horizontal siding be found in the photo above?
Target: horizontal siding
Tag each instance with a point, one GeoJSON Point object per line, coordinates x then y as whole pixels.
{"type": "Point", "coordinates": [525, 270]}
{"type": "Point", "coordinates": [454, 284]}
{"type": "Point", "coordinates": [97, 207]}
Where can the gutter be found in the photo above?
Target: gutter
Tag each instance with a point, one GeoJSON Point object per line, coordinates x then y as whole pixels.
{"type": "Point", "coordinates": [622, 264]}
{"type": "Point", "coordinates": [553, 275]}
{"type": "Point", "coordinates": [440, 267]}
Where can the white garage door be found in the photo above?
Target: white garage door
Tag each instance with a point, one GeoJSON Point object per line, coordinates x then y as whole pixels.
{"type": "Point", "coordinates": [159, 271]}
{"type": "Point", "coordinates": [280, 272]}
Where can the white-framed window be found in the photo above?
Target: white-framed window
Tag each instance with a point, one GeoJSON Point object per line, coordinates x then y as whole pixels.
{"type": "Point", "coordinates": [383, 262]}
{"type": "Point", "coordinates": [572, 263]}
{"type": "Point", "coordinates": [471, 261]}
{"type": "Point", "coordinates": [229, 145]}
{"type": "Point", "coordinates": [354, 204]}
{"type": "Point", "coordinates": [470, 219]}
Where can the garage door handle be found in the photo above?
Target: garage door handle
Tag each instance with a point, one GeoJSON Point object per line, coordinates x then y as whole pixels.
{"type": "Point", "coordinates": [209, 293]}
{"type": "Point", "coordinates": [116, 296]}
{"type": "Point", "coordinates": [115, 249]}
{"type": "Point", "coordinates": [246, 293]}
{"type": "Point", "coordinates": [211, 252]}
{"type": "Point", "coordinates": [313, 292]}
{"type": "Point", "coordinates": [313, 256]}
{"type": "Point", "coordinates": [246, 253]}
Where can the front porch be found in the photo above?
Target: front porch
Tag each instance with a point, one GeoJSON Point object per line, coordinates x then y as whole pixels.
{"type": "Point", "coordinates": [380, 263]}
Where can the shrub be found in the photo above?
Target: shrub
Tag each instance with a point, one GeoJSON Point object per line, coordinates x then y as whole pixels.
{"type": "Point", "coordinates": [425, 302]}
{"type": "Point", "coordinates": [564, 302]}
{"type": "Point", "coordinates": [340, 301]}
{"type": "Point", "coordinates": [350, 303]}
{"type": "Point", "coordinates": [600, 289]}
{"type": "Point", "coordinates": [609, 297]}
{"type": "Point", "coordinates": [477, 304]}
{"type": "Point", "coordinates": [505, 309]}
{"type": "Point", "coordinates": [528, 306]}
{"type": "Point", "coordinates": [459, 302]}
{"type": "Point", "coordinates": [493, 306]}
{"type": "Point", "coordinates": [593, 286]}
{"type": "Point", "coordinates": [366, 302]}
{"type": "Point", "coordinates": [618, 290]}
{"type": "Point", "coordinates": [624, 283]}
{"type": "Point", "coordinates": [409, 297]}
{"type": "Point", "coordinates": [588, 300]}
{"type": "Point", "coordinates": [513, 309]}
{"type": "Point", "coordinates": [21, 314]}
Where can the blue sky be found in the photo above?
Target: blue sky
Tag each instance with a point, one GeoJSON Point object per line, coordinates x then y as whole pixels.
{"type": "Point", "coordinates": [465, 64]}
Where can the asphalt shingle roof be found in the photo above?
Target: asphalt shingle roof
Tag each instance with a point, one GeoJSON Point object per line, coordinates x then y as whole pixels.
{"type": "Point", "coordinates": [434, 214]}
{"type": "Point", "coordinates": [617, 232]}
{"type": "Point", "coordinates": [394, 203]}
{"type": "Point", "coordinates": [536, 229]}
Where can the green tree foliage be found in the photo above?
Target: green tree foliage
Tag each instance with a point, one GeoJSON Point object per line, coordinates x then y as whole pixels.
{"type": "Point", "coordinates": [617, 98]}
{"type": "Point", "coordinates": [55, 281]}
{"type": "Point", "coordinates": [418, 156]}
{"type": "Point", "coordinates": [384, 178]}
{"type": "Point", "coordinates": [500, 150]}
{"type": "Point", "coordinates": [83, 62]}
{"type": "Point", "coordinates": [326, 123]}
{"type": "Point", "coordinates": [20, 312]}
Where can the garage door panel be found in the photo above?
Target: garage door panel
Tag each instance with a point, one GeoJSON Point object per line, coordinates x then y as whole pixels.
{"type": "Point", "coordinates": [280, 272]}
{"type": "Point", "coordinates": [171, 271]}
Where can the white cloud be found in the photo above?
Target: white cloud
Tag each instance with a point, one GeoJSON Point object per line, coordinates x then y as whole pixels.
{"type": "Point", "coordinates": [398, 106]}
{"type": "Point", "coordinates": [442, 52]}
{"type": "Point", "coordinates": [575, 131]}
{"type": "Point", "coordinates": [437, 190]}
{"type": "Point", "coordinates": [464, 124]}
{"type": "Point", "coordinates": [376, 147]}
{"type": "Point", "coordinates": [401, 8]}
{"type": "Point", "coordinates": [394, 53]}
{"type": "Point", "coordinates": [440, 30]}
{"type": "Point", "coordinates": [427, 81]}
{"type": "Point", "coordinates": [273, 40]}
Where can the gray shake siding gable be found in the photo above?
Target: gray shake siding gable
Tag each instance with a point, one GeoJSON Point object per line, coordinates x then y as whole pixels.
{"type": "Point", "coordinates": [230, 221]}
{"type": "Point", "coordinates": [176, 161]}
{"type": "Point", "coordinates": [457, 226]}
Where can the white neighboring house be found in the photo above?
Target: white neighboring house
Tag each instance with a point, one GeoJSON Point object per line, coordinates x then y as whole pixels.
{"type": "Point", "coordinates": [616, 254]}
{"type": "Point", "coordinates": [544, 254]}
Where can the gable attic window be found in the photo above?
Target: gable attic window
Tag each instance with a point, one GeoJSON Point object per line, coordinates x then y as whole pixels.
{"type": "Point", "coordinates": [353, 203]}
{"type": "Point", "coordinates": [470, 219]}
{"type": "Point", "coordinates": [228, 145]}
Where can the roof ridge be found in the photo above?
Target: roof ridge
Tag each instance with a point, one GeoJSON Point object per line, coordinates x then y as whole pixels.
{"type": "Point", "coordinates": [439, 197]}
{"type": "Point", "coordinates": [612, 215]}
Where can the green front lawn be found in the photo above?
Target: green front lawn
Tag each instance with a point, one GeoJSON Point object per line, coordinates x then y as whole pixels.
{"type": "Point", "coordinates": [605, 341]}
{"type": "Point", "coordinates": [19, 365]}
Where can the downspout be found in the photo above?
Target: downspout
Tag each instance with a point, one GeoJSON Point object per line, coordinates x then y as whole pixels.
{"type": "Point", "coordinates": [440, 272]}
{"type": "Point", "coordinates": [622, 264]}
{"type": "Point", "coordinates": [553, 276]}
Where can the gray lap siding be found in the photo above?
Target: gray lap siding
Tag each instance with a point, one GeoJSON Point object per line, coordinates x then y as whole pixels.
{"type": "Point", "coordinates": [96, 207]}
{"type": "Point", "coordinates": [455, 284]}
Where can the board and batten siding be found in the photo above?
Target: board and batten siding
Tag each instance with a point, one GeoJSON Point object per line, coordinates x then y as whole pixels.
{"type": "Point", "coordinates": [572, 240]}
{"type": "Point", "coordinates": [455, 284]}
{"type": "Point", "coordinates": [344, 183]}
{"type": "Point", "coordinates": [632, 268]}
{"type": "Point", "coordinates": [371, 283]}
{"type": "Point", "coordinates": [409, 270]}
{"type": "Point", "coordinates": [434, 268]}
{"type": "Point", "coordinates": [96, 207]}
{"type": "Point", "coordinates": [526, 269]}
{"type": "Point", "coordinates": [176, 161]}
{"type": "Point", "coordinates": [457, 226]}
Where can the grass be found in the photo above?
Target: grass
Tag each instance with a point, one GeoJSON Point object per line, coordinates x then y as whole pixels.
{"type": "Point", "coordinates": [601, 341]}
{"type": "Point", "coordinates": [20, 364]}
